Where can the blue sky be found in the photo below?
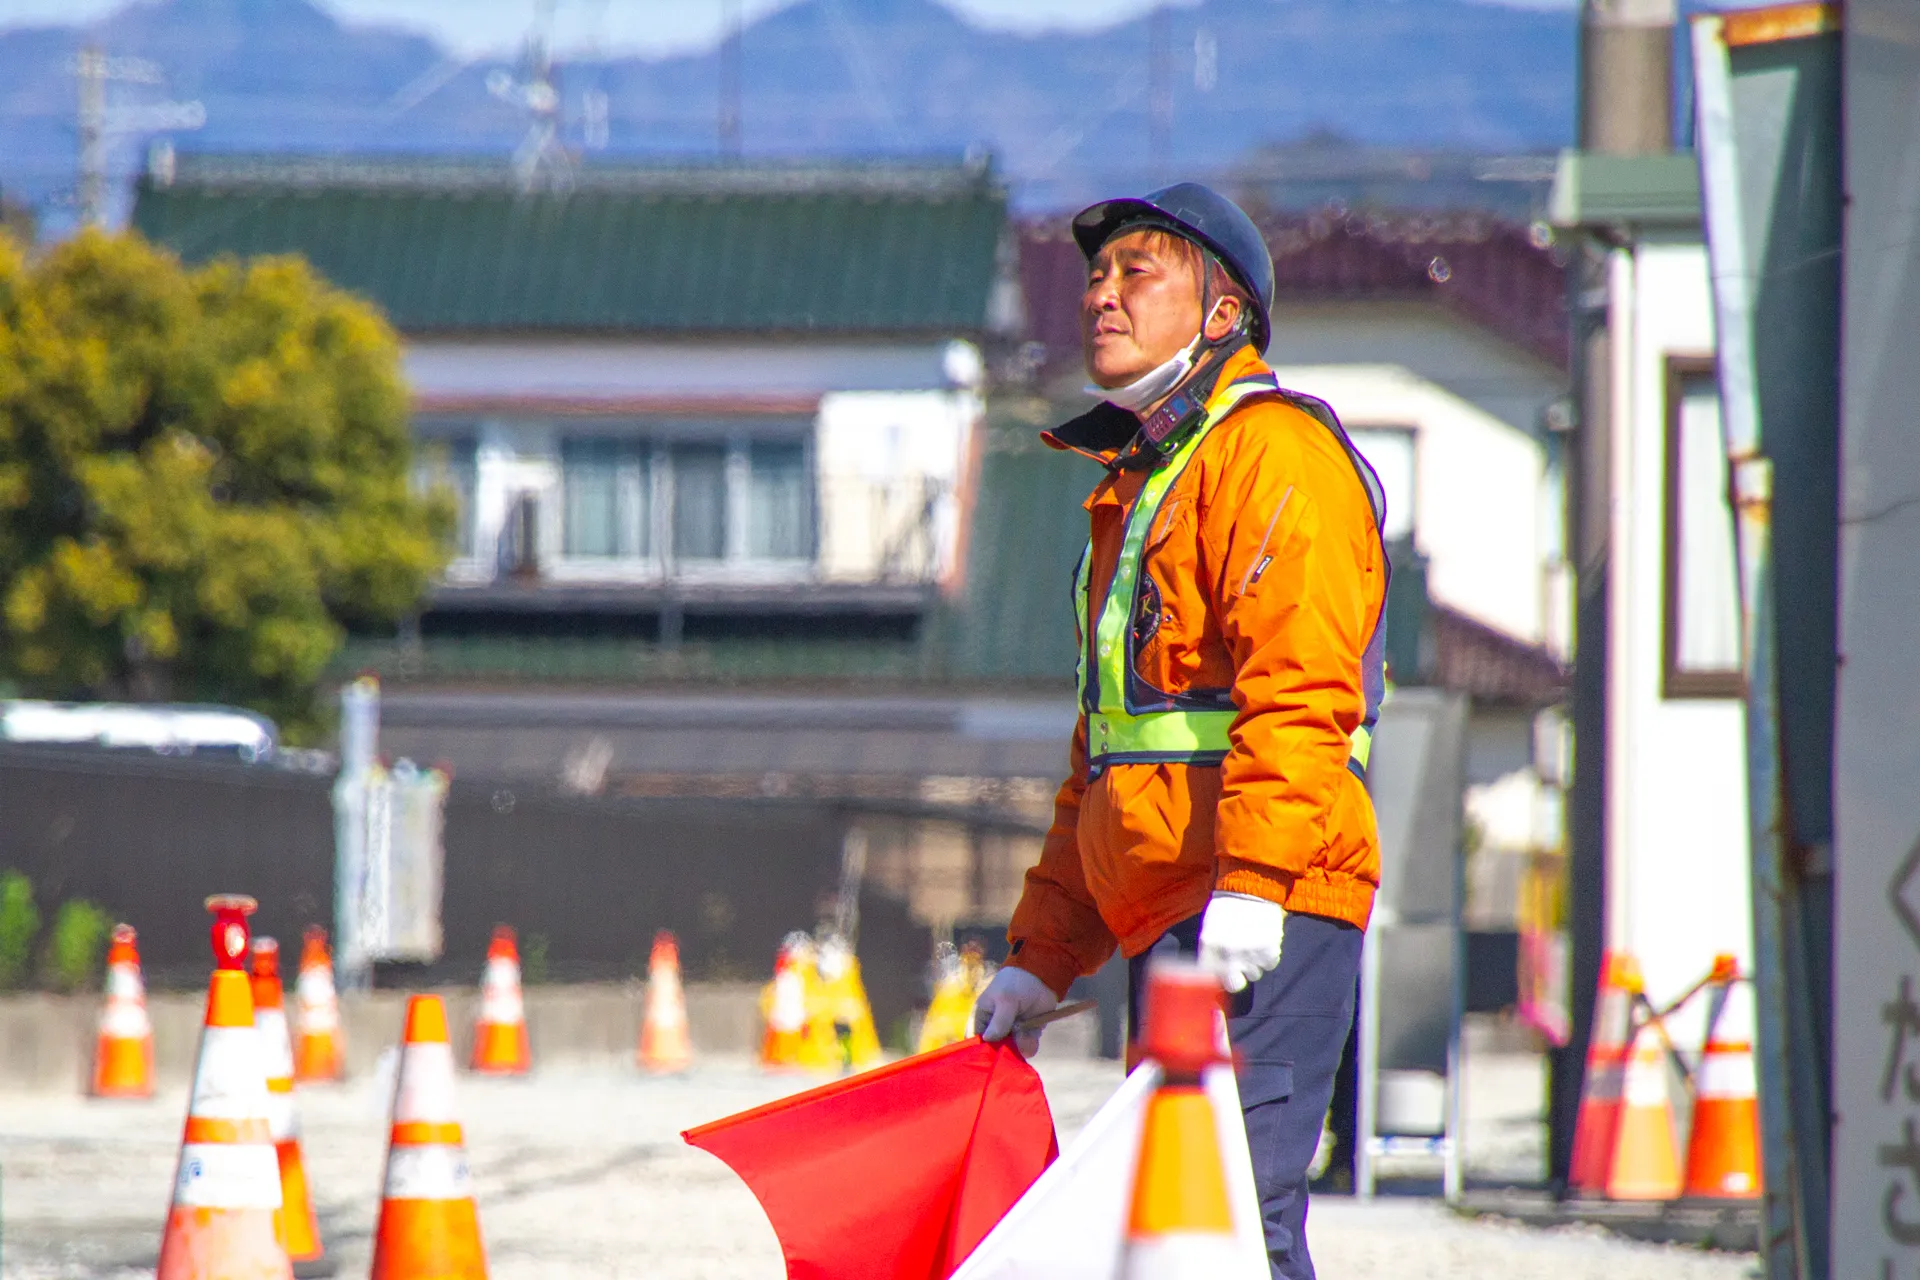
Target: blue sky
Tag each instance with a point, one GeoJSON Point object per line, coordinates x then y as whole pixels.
{"type": "Point", "coordinates": [470, 28]}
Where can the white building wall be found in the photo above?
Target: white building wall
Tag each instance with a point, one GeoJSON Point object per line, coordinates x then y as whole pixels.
{"type": "Point", "coordinates": [1678, 878]}
{"type": "Point", "coordinates": [439, 368]}
{"type": "Point", "coordinates": [891, 470]}
{"type": "Point", "coordinates": [1481, 496]}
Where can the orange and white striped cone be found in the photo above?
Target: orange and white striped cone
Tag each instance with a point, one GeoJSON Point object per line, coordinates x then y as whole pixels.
{"type": "Point", "coordinates": [665, 1042]}
{"type": "Point", "coordinates": [500, 1044]}
{"type": "Point", "coordinates": [227, 1187]}
{"type": "Point", "coordinates": [1180, 1222]}
{"type": "Point", "coordinates": [783, 1005]}
{"type": "Point", "coordinates": [1723, 1151]}
{"type": "Point", "coordinates": [429, 1226]}
{"type": "Point", "coordinates": [299, 1229]}
{"type": "Point", "coordinates": [1599, 1120]}
{"type": "Point", "coordinates": [1646, 1156]}
{"type": "Point", "coordinates": [319, 1051]}
{"type": "Point", "coordinates": [123, 1054]}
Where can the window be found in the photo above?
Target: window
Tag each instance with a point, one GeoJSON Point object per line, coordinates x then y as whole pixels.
{"type": "Point", "coordinates": [779, 502]}
{"type": "Point", "coordinates": [1702, 625]}
{"type": "Point", "coordinates": [1390, 451]}
{"type": "Point", "coordinates": [685, 496]}
{"type": "Point", "coordinates": [699, 501]}
{"type": "Point", "coordinates": [605, 497]}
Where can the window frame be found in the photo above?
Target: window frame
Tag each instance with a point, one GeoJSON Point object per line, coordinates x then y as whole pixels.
{"type": "Point", "coordinates": [658, 443]}
{"type": "Point", "coordinates": [1677, 682]}
{"type": "Point", "coordinates": [1411, 432]}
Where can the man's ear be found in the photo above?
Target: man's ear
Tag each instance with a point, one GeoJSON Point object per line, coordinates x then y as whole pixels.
{"type": "Point", "coordinates": [1225, 317]}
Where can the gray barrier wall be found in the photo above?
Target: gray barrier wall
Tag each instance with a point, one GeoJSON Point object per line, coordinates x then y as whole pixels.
{"type": "Point", "coordinates": [47, 1042]}
{"type": "Point", "coordinates": [586, 881]}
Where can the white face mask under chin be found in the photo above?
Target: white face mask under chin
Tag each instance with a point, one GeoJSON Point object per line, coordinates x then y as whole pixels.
{"type": "Point", "coordinates": [1156, 383]}
{"type": "Point", "coordinates": [1153, 384]}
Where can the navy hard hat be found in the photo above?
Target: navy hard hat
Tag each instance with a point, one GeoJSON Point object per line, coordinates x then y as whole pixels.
{"type": "Point", "coordinates": [1202, 215]}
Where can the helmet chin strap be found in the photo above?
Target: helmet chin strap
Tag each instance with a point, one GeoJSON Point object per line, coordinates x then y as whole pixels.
{"type": "Point", "coordinates": [1165, 378]}
{"type": "Point", "coordinates": [1154, 384]}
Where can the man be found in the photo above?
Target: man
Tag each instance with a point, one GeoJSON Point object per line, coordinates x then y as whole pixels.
{"type": "Point", "coordinates": [1230, 616]}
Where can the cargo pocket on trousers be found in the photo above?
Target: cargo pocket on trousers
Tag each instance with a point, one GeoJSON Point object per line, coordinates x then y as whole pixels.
{"type": "Point", "coordinates": [1265, 1087]}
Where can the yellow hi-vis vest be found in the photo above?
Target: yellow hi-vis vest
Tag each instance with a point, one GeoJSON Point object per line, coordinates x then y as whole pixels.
{"type": "Point", "coordinates": [1130, 721]}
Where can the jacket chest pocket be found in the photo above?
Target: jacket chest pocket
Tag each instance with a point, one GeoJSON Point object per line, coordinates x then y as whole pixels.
{"type": "Point", "coordinates": [1168, 607]}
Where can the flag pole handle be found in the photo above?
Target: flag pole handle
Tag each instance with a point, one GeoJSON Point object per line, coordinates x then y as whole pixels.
{"type": "Point", "coordinates": [1042, 1019]}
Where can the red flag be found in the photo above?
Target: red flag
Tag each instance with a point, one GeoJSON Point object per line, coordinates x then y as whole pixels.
{"type": "Point", "coordinates": [898, 1173]}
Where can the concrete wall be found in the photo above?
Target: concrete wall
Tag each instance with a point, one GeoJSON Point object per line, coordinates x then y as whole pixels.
{"type": "Point", "coordinates": [47, 1042]}
{"type": "Point", "coordinates": [1677, 858]}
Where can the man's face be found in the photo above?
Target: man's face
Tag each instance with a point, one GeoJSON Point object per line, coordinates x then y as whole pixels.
{"type": "Point", "coordinates": [1142, 305]}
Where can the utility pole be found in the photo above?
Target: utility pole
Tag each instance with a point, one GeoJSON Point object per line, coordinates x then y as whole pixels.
{"type": "Point", "coordinates": [92, 68]}
{"type": "Point", "coordinates": [1626, 77]}
{"type": "Point", "coordinates": [1626, 108]}
{"type": "Point", "coordinates": [539, 156]}
{"type": "Point", "coordinates": [1160, 92]}
{"type": "Point", "coordinates": [730, 80]}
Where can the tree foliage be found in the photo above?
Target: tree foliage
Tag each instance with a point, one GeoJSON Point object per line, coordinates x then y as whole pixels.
{"type": "Point", "coordinates": [19, 925]}
{"type": "Point", "coordinates": [205, 477]}
{"type": "Point", "coordinates": [74, 945]}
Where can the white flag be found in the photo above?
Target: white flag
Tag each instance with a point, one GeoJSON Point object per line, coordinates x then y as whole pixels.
{"type": "Point", "coordinates": [1072, 1223]}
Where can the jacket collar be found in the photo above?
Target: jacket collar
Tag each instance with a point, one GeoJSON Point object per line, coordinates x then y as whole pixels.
{"type": "Point", "coordinates": [1106, 429]}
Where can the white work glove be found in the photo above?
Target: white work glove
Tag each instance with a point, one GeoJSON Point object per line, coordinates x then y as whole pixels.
{"type": "Point", "coordinates": [1013, 994]}
{"type": "Point", "coordinates": [1240, 938]}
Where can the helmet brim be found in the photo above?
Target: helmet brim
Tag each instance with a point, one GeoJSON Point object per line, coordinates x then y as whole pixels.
{"type": "Point", "coordinates": [1096, 224]}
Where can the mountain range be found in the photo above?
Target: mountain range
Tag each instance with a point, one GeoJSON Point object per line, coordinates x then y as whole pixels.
{"type": "Point", "coordinates": [1067, 115]}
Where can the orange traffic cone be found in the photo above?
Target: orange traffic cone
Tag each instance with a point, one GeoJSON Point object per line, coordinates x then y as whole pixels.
{"type": "Point", "coordinates": [227, 1187]}
{"type": "Point", "coordinates": [783, 1003]}
{"type": "Point", "coordinates": [123, 1055]}
{"type": "Point", "coordinates": [500, 1036]}
{"type": "Point", "coordinates": [1723, 1151]}
{"type": "Point", "coordinates": [664, 1042]}
{"type": "Point", "coordinates": [1646, 1157]}
{"type": "Point", "coordinates": [429, 1228]}
{"type": "Point", "coordinates": [319, 1052]}
{"type": "Point", "coordinates": [1599, 1119]}
{"type": "Point", "coordinates": [299, 1230]}
{"type": "Point", "coordinates": [1180, 1224]}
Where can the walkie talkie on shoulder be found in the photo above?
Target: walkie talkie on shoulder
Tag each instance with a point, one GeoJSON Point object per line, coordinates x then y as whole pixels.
{"type": "Point", "coordinates": [1167, 428]}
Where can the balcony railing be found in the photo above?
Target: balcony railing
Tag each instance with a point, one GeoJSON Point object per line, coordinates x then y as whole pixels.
{"type": "Point", "coordinates": [892, 533]}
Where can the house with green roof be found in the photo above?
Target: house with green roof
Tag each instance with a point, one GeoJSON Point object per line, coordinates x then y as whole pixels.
{"type": "Point", "coordinates": [672, 400]}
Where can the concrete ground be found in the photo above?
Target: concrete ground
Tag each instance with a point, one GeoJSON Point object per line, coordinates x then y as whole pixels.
{"type": "Point", "coordinates": [581, 1173]}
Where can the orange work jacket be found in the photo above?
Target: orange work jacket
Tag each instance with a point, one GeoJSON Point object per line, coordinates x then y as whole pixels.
{"type": "Point", "coordinates": [1270, 578]}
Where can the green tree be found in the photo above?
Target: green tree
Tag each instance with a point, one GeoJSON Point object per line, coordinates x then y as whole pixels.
{"type": "Point", "coordinates": [74, 949]}
{"type": "Point", "coordinates": [205, 477]}
{"type": "Point", "coordinates": [19, 923]}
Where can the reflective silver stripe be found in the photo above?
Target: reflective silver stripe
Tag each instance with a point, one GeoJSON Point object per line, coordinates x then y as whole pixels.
{"type": "Point", "coordinates": [428, 1173]}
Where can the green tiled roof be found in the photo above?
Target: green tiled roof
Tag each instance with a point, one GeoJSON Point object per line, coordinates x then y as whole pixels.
{"type": "Point", "coordinates": [871, 250]}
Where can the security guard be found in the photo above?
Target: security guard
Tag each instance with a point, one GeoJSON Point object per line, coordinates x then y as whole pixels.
{"type": "Point", "coordinates": [1230, 606]}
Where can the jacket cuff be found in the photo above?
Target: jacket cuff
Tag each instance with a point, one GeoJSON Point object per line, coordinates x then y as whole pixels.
{"type": "Point", "coordinates": [1053, 965]}
{"type": "Point", "coordinates": [1253, 880]}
